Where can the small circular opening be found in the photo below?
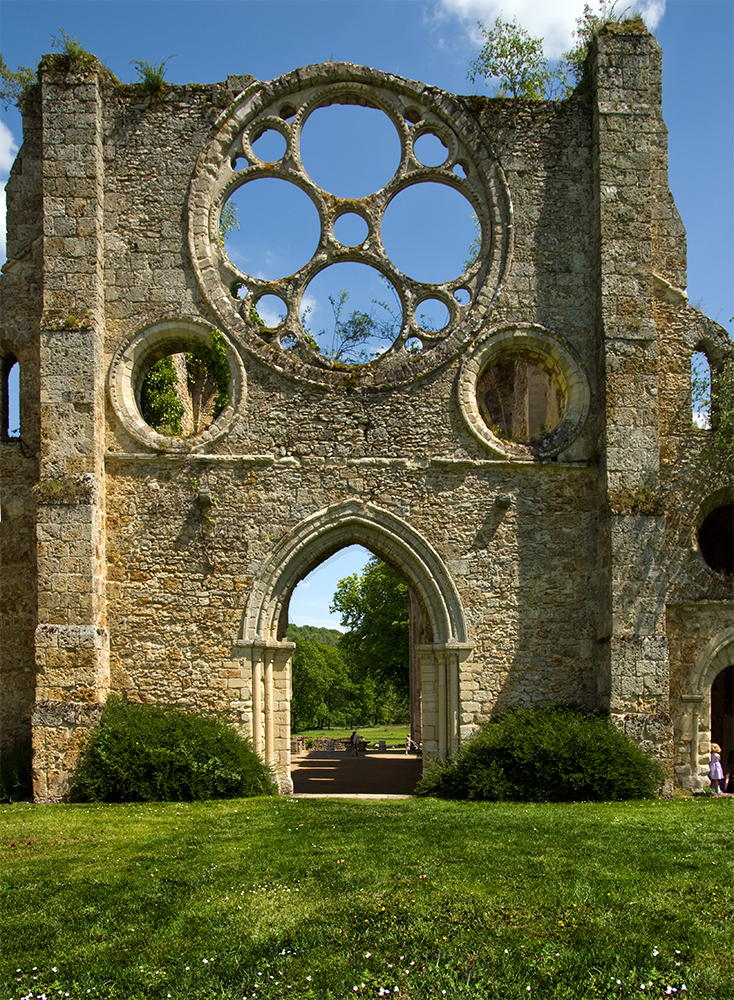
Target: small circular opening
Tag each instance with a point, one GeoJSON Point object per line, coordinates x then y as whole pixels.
{"type": "Point", "coordinates": [414, 345]}
{"type": "Point", "coordinates": [269, 146]}
{"type": "Point", "coordinates": [430, 150]}
{"type": "Point", "coordinates": [288, 341]}
{"type": "Point", "coordinates": [462, 296]}
{"type": "Point", "coordinates": [351, 229]}
{"type": "Point", "coordinates": [269, 311]}
{"type": "Point", "coordinates": [432, 315]}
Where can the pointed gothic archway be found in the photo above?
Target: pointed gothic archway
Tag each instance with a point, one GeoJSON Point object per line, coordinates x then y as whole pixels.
{"type": "Point", "coordinates": [693, 722]}
{"type": "Point", "coordinates": [265, 654]}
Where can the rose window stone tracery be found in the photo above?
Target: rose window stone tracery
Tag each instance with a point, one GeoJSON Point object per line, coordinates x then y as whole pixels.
{"type": "Point", "coordinates": [438, 143]}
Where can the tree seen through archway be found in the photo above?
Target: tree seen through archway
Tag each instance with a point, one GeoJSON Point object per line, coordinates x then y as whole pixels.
{"type": "Point", "coordinates": [360, 676]}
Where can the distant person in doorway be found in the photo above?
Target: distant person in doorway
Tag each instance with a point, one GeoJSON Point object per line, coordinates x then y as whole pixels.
{"type": "Point", "coordinates": [716, 772]}
{"type": "Point", "coordinates": [354, 740]}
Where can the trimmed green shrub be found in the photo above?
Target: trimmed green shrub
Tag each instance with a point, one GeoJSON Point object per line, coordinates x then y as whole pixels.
{"type": "Point", "coordinates": [144, 753]}
{"type": "Point", "coordinates": [554, 753]}
{"type": "Point", "coordinates": [16, 772]}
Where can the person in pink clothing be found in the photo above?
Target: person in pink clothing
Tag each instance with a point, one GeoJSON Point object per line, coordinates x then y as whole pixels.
{"type": "Point", "coordinates": [716, 772]}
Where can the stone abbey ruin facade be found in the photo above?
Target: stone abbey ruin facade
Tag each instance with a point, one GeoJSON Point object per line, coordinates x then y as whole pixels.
{"type": "Point", "coordinates": [530, 469]}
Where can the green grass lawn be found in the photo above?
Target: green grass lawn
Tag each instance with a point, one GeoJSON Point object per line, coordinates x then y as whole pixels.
{"type": "Point", "coordinates": [392, 734]}
{"type": "Point", "coordinates": [320, 899]}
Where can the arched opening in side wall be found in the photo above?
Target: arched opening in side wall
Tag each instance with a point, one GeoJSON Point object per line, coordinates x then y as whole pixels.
{"type": "Point", "coordinates": [706, 711]}
{"type": "Point", "coordinates": [267, 653]}
{"type": "Point", "coordinates": [722, 714]}
{"type": "Point", "coordinates": [9, 398]}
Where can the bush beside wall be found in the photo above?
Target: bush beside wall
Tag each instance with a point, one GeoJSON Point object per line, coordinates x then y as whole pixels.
{"type": "Point", "coordinates": [143, 753]}
{"type": "Point", "coordinates": [546, 754]}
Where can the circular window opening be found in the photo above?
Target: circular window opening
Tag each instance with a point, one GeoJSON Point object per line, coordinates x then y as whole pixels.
{"type": "Point", "coordinates": [269, 311]}
{"type": "Point", "coordinates": [429, 232]}
{"type": "Point", "coordinates": [430, 150]}
{"type": "Point", "coordinates": [462, 296]}
{"type": "Point", "coordinates": [351, 312]}
{"type": "Point", "coordinates": [432, 315]}
{"type": "Point", "coordinates": [270, 146]}
{"type": "Point", "coordinates": [520, 401]}
{"type": "Point", "coordinates": [351, 229]}
{"type": "Point", "coordinates": [270, 228]}
{"type": "Point", "coordinates": [185, 391]}
{"type": "Point", "coordinates": [350, 150]}
{"type": "Point", "coordinates": [716, 539]}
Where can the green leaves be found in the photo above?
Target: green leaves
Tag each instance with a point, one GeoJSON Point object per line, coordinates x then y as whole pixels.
{"type": "Point", "coordinates": [552, 753]}
{"type": "Point", "coordinates": [159, 399]}
{"type": "Point", "coordinates": [15, 84]}
{"type": "Point", "coordinates": [514, 58]}
{"type": "Point", "coordinates": [374, 610]}
{"type": "Point", "coordinates": [184, 392]}
{"type": "Point", "coordinates": [356, 337]}
{"type": "Point", "coordinates": [144, 753]}
{"type": "Point", "coordinates": [152, 76]}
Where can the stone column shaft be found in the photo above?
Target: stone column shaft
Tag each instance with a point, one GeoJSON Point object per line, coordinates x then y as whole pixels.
{"type": "Point", "coordinates": [628, 128]}
{"type": "Point", "coordinates": [71, 645]}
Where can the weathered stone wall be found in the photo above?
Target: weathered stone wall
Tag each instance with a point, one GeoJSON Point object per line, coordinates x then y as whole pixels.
{"type": "Point", "coordinates": [164, 567]}
{"type": "Point", "coordinates": [20, 309]}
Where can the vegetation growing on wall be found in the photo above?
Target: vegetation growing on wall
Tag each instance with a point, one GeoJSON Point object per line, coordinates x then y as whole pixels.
{"type": "Point", "coordinates": [186, 390]}
{"type": "Point", "coordinates": [713, 403]}
{"type": "Point", "coordinates": [515, 59]}
{"type": "Point", "coordinates": [152, 77]}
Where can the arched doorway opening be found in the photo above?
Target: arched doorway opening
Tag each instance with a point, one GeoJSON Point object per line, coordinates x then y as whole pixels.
{"type": "Point", "coordinates": [356, 624]}
{"type": "Point", "coordinates": [705, 713]}
{"type": "Point", "coordinates": [266, 653]}
{"type": "Point", "coordinates": [722, 712]}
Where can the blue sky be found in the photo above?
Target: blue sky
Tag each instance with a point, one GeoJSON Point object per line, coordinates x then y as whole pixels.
{"type": "Point", "coordinates": [431, 41]}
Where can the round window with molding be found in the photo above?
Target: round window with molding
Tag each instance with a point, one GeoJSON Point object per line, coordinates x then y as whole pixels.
{"type": "Point", "coordinates": [349, 226]}
{"type": "Point", "coordinates": [177, 386]}
{"type": "Point", "coordinates": [523, 393]}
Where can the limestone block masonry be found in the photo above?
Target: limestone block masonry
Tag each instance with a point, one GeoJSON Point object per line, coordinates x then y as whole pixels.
{"type": "Point", "coordinates": [531, 469]}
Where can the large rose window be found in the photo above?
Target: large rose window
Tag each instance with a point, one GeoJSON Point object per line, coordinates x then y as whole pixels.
{"type": "Point", "coordinates": [436, 174]}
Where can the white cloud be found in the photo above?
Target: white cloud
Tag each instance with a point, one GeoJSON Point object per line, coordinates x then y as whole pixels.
{"type": "Point", "coordinates": [554, 21]}
{"type": "Point", "coordinates": [2, 225]}
{"type": "Point", "coordinates": [8, 148]}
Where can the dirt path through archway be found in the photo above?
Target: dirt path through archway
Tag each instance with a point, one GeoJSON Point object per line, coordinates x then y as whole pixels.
{"type": "Point", "coordinates": [337, 773]}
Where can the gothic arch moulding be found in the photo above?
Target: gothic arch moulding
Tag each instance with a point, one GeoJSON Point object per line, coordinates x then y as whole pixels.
{"type": "Point", "coordinates": [693, 719]}
{"type": "Point", "coordinates": [266, 667]}
{"type": "Point", "coordinates": [716, 656]}
{"type": "Point", "coordinates": [352, 522]}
